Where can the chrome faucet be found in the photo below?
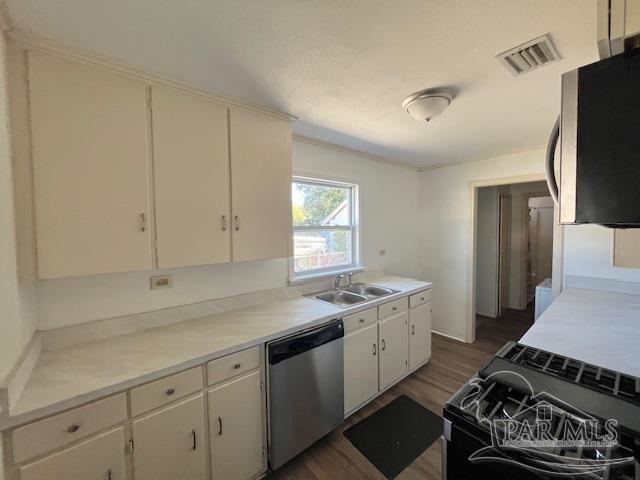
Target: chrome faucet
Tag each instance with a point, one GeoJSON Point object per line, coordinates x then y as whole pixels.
{"type": "Point", "coordinates": [338, 280]}
{"type": "Point", "coordinates": [350, 278]}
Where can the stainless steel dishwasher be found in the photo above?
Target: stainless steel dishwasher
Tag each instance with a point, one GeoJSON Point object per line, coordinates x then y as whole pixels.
{"type": "Point", "coordinates": [305, 381]}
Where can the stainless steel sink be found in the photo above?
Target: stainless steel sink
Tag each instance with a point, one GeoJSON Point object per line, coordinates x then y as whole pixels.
{"type": "Point", "coordinates": [340, 298]}
{"type": "Point", "coordinates": [370, 290]}
{"type": "Point", "coordinates": [344, 297]}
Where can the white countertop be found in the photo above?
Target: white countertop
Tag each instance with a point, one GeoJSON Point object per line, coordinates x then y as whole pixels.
{"type": "Point", "coordinates": [71, 376]}
{"type": "Point", "coordinates": [594, 326]}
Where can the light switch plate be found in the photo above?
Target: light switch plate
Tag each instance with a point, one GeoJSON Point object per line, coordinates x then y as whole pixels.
{"type": "Point", "coordinates": [162, 281]}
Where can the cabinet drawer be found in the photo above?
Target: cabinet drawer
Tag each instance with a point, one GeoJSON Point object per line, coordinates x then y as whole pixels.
{"type": "Point", "coordinates": [360, 319]}
{"type": "Point", "coordinates": [44, 435]}
{"type": "Point", "coordinates": [419, 298]}
{"type": "Point", "coordinates": [232, 365]}
{"type": "Point", "coordinates": [392, 308]}
{"type": "Point", "coordinates": [164, 391]}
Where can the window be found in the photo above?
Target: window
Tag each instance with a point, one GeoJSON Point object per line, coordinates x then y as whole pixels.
{"type": "Point", "coordinates": [324, 226]}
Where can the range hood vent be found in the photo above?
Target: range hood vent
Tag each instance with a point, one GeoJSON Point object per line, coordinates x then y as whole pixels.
{"type": "Point", "coordinates": [533, 54]}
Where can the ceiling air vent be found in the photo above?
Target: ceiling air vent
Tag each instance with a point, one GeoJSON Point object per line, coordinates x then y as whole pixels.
{"type": "Point", "coordinates": [533, 54]}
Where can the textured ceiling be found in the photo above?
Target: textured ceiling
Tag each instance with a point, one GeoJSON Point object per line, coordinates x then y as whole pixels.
{"type": "Point", "coordinates": [344, 66]}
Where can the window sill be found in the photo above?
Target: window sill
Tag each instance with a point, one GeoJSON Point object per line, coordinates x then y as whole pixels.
{"type": "Point", "coordinates": [314, 277]}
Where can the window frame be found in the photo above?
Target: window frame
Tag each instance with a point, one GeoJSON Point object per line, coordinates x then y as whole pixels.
{"type": "Point", "coordinates": [353, 227]}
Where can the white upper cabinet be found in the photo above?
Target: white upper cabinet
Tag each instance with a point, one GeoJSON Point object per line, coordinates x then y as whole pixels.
{"type": "Point", "coordinates": [191, 174]}
{"type": "Point", "coordinates": [260, 186]}
{"type": "Point", "coordinates": [91, 168]}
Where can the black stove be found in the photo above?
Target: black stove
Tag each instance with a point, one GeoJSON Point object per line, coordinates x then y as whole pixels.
{"type": "Point", "coordinates": [533, 414]}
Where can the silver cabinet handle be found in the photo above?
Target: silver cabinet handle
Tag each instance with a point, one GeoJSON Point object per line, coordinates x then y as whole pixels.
{"type": "Point", "coordinates": [219, 425]}
{"type": "Point", "coordinates": [394, 309]}
{"type": "Point", "coordinates": [374, 349]}
{"type": "Point", "coordinates": [194, 435]}
{"type": "Point", "coordinates": [224, 223]}
{"type": "Point", "coordinates": [73, 428]}
{"type": "Point", "coordinates": [108, 475]}
{"type": "Point", "coordinates": [384, 345]}
{"type": "Point", "coordinates": [236, 221]}
{"type": "Point", "coordinates": [237, 366]}
{"type": "Point", "coordinates": [170, 392]}
{"type": "Point", "coordinates": [362, 320]}
{"type": "Point", "coordinates": [143, 222]}
{"type": "Point", "coordinates": [413, 329]}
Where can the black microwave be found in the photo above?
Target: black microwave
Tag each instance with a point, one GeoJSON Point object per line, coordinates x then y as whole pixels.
{"type": "Point", "coordinates": [600, 143]}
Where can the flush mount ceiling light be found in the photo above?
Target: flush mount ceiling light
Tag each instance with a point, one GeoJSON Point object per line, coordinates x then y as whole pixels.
{"type": "Point", "coordinates": [427, 104]}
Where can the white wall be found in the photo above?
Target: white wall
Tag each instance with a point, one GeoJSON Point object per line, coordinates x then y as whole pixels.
{"type": "Point", "coordinates": [487, 252]}
{"type": "Point", "coordinates": [16, 320]}
{"type": "Point", "coordinates": [588, 253]}
{"type": "Point", "coordinates": [445, 231]}
{"type": "Point", "coordinates": [389, 202]}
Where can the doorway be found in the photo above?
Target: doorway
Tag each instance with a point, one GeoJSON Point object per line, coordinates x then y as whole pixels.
{"type": "Point", "coordinates": [513, 250]}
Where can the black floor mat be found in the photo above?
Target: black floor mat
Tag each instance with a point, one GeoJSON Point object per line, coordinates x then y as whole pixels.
{"type": "Point", "coordinates": [394, 436]}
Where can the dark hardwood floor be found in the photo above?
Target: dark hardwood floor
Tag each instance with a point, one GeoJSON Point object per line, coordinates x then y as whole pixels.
{"type": "Point", "coordinates": [452, 363]}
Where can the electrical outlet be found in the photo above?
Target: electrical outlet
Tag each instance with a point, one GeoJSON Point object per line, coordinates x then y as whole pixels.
{"type": "Point", "coordinates": [163, 281]}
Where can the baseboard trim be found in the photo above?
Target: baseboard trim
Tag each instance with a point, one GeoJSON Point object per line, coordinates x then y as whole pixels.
{"type": "Point", "coordinates": [452, 337]}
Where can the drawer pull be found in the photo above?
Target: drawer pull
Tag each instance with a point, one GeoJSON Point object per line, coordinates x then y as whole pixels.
{"type": "Point", "coordinates": [394, 309]}
{"type": "Point", "coordinates": [170, 392]}
{"type": "Point", "coordinates": [413, 329]}
{"type": "Point", "coordinates": [362, 320]}
{"type": "Point", "coordinates": [108, 475]}
{"type": "Point", "coordinates": [374, 349]}
{"type": "Point", "coordinates": [73, 428]}
{"type": "Point", "coordinates": [194, 436]}
{"type": "Point", "coordinates": [237, 366]}
{"type": "Point", "coordinates": [384, 344]}
{"type": "Point", "coordinates": [219, 425]}
{"type": "Point", "coordinates": [422, 299]}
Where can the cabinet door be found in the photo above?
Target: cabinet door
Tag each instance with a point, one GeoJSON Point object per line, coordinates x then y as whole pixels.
{"type": "Point", "coordinates": [191, 174]}
{"type": "Point", "coordinates": [100, 458]}
{"type": "Point", "coordinates": [236, 428]}
{"type": "Point", "coordinates": [169, 444]}
{"type": "Point", "coordinates": [360, 366]}
{"type": "Point", "coordinates": [419, 335]}
{"type": "Point", "coordinates": [260, 186]}
{"type": "Point", "coordinates": [394, 349]}
{"type": "Point", "coordinates": [91, 169]}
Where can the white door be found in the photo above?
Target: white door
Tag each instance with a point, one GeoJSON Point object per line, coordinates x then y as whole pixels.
{"type": "Point", "coordinates": [236, 428]}
{"type": "Point", "coordinates": [169, 444]}
{"type": "Point", "coordinates": [260, 186]}
{"type": "Point", "coordinates": [419, 335]}
{"type": "Point", "coordinates": [91, 168]}
{"type": "Point", "coordinates": [360, 366]}
{"type": "Point", "coordinates": [394, 349]}
{"type": "Point", "coordinates": [100, 458]}
{"type": "Point", "coordinates": [191, 174]}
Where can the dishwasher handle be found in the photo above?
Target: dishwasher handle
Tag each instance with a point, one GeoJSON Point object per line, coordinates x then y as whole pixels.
{"type": "Point", "coordinates": [290, 347]}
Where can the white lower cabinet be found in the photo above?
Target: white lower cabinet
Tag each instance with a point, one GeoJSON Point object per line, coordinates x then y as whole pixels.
{"type": "Point", "coordinates": [419, 335]}
{"type": "Point", "coordinates": [360, 366]}
{"type": "Point", "coordinates": [100, 458]}
{"type": "Point", "coordinates": [394, 349]}
{"type": "Point", "coordinates": [236, 428]}
{"type": "Point", "coordinates": [169, 444]}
